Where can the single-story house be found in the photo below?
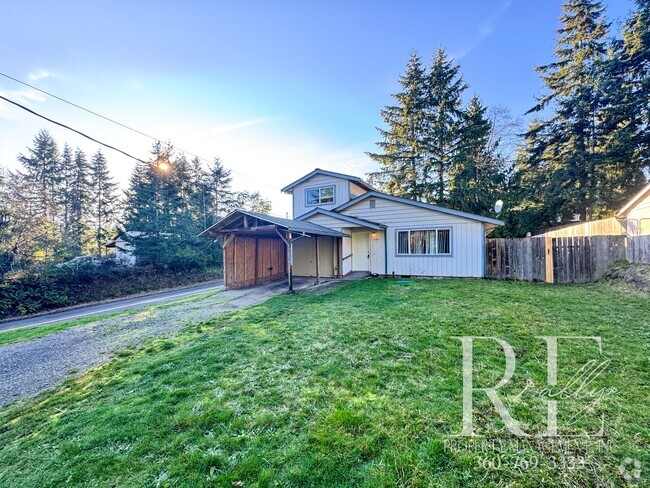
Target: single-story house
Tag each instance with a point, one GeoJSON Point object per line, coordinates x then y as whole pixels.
{"type": "Point", "coordinates": [633, 219]}
{"type": "Point", "coordinates": [342, 224]}
{"type": "Point", "coordinates": [123, 250]}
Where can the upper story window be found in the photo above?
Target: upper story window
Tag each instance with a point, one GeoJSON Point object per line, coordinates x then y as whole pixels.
{"type": "Point", "coordinates": [320, 196]}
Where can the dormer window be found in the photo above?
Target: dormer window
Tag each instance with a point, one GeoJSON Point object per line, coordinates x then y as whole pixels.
{"type": "Point", "coordinates": [320, 196]}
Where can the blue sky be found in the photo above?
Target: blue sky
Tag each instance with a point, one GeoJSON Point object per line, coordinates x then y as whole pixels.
{"type": "Point", "coordinates": [273, 88]}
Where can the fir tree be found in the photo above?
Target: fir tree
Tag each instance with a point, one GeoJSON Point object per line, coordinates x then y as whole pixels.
{"type": "Point", "coordinates": [67, 175]}
{"type": "Point", "coordinates": [632, 63]}
{"type": "Point", "coordinates": [43, 168]}
{"type": "Point", "coordinates": [161, 222]}
{"type": "Point", "coordinates": [403, 157]}
{"type": "Point", "coordinates": [573, 138]}
{"type": "Point", "coordinates": [444, 114]}
{"type": "Point", "coordinates": [104, 200]}
{"type": "Point", "coordinates": [79, 203]}
{"type": "Point", "coordinates": [478, 176]}
{"type": "Point", "coordinates": [220, 198]}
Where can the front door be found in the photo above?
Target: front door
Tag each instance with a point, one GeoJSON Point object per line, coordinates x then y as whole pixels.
{"type": "Point", "coordinates": [360, 251]}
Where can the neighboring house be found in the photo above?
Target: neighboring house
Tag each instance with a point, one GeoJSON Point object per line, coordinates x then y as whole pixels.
{"type": "Point", "coordinates": [633, 219]}
{"type": "Point", "coordinates": [123, 249]}
{"type": "Point", "coordinates": [341, 224]}
{"type": "Point", "coordinates": [636, 213]}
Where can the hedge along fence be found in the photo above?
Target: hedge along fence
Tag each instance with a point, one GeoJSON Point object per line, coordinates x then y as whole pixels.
{"type": "Point", "coordinates": [561, 259]}
{"type": "Point", "coordinates": [65, 287]}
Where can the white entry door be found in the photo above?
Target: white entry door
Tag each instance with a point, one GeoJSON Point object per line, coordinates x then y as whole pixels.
{"type": "Point", "coordinates": [360, 251]}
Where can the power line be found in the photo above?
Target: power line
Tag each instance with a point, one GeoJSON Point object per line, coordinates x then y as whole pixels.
{"type": "Point", "coordinates": [118, 123]}
{"type": "Point", "coordinates": [77, 106]}
{"type": "Point", "coordinates": [70, 128]}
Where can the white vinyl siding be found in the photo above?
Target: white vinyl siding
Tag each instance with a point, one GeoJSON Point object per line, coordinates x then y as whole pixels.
{"type": "Point", "coordinates": [331, 222]}
{"type": "Point", "coordinates": [467, 239]}
{"type": "Point", "coordinates": [638, 219]}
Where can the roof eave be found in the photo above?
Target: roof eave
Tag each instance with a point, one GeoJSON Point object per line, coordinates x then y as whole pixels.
{"type": "Point", "coordinates": [415, 203]}
{"type": "Point", "coordinates": [633, 201]}
{"type": "Point", "coordinates": [343, 217]}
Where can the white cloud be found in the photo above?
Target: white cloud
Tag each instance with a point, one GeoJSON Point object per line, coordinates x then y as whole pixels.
{"type": "Point", "coordinates": [243, 124]}
{"type": "Point", "coordinates": [484, 30]}
{"type": "Point", "coordinates": [40, 74]}
{"type": "Point", "coordinates": [25, 96]}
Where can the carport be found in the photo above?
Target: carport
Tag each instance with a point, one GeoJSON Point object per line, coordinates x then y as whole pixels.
{"type": "Point", "coordinates": [259, 248]}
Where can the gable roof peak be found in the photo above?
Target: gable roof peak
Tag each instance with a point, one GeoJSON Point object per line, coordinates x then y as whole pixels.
{"type": "Point", "coordinates": [319, 171]}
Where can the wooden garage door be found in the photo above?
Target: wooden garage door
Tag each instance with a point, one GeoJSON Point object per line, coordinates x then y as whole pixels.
{"type": "Point", "coordinates": [253, 260]}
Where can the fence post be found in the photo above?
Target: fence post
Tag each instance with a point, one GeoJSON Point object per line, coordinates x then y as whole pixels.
{"type": "Point", "coordinates": [548, 255]}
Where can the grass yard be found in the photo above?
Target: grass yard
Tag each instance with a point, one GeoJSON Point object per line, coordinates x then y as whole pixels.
{"type": "Point", "coordinates": [357, 386]}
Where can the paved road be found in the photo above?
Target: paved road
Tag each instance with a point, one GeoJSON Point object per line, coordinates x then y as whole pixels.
{"type": "Point", "coordinates": [113, 306]}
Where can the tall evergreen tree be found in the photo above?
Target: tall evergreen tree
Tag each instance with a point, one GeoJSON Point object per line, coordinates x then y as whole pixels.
{"type": "Point", "coordinates": [79, 202]}
{"type": "Point", "coordinates": [478, 175]}
{"type": "Point", "coordinates": [403, 155]}
{"type": "Point", "coordinates": [444, 115]}
{"type": "Point", "coordinates": [220, 197]}
{"type": "Point", "coordinates": [573, 138]}
{"type": "Point", "coordinates": [43, 168]}
{"type": "Point", "coordinates": [67, 174]}
{"type": "Point", "coordinates": [199, 193]}
{"type": "Point", "coordinates": [422, 135]}
{"type": "Point", "coordinates": [30, 237]}
{"type": "Point", "coordinates": [633, 64]}
{"type": "Point", "coordinates": [104, 200]}
{"type": "Point", "coordinates": [161, 222]}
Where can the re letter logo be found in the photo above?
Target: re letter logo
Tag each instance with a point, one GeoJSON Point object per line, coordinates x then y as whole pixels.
{"type": "Point", "coordinates": [579, 383]}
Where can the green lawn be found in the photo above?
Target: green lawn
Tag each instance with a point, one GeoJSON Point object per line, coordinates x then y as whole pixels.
{"type": "Point", "coordinates": [358, 386]}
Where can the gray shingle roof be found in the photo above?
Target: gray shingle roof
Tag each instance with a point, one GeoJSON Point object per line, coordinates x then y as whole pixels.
{"type": "Point", "coordinates": [291, 225]}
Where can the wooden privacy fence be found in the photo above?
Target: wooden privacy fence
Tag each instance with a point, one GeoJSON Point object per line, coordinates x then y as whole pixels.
{"type": "Point", "coordinates": [516, 259]}
{"type": "Point", "coordinates": [561, 259]}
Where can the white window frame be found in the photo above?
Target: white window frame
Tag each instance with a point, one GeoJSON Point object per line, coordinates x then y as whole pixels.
{"type": "Point", "coordinates": [423, 255]}
{"type": "Point", "coordinates": [320, 189]}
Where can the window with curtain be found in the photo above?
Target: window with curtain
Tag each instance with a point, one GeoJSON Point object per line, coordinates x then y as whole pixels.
{"type": "Point", "coordinates": [424, 242]}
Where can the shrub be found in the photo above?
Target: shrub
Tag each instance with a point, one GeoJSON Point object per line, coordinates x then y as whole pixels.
{"type": "Point", "coordinates": [88, 282]}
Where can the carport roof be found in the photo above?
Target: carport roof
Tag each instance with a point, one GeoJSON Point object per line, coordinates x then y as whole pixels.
{"type": "Point", "coordinates": [294, 226]}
